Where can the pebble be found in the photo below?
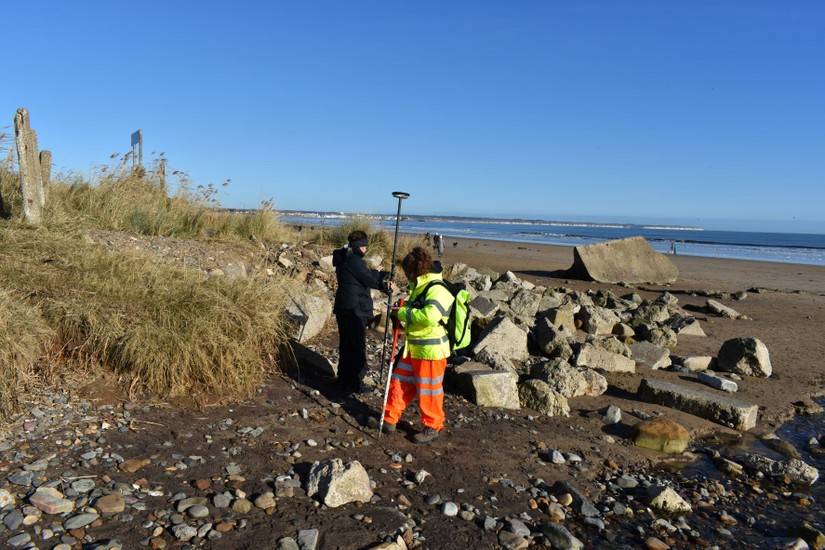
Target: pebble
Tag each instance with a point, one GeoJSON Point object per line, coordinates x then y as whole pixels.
{"type": "Point", "coordinates": [79, 521]}
{"type": "Point", "coordinates": [449, 509]}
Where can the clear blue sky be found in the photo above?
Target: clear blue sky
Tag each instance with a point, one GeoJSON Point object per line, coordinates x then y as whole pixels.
{"type": "Point", "coordinates": [679, 111]}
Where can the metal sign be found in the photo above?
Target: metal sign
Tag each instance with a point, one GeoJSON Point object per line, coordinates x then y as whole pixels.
{"type": "Point", "coordinates": [136, 137]}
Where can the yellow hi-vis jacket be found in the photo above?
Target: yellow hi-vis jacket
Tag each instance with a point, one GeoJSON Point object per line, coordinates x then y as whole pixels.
{"type": "Point", "coordinates": [426, 337]}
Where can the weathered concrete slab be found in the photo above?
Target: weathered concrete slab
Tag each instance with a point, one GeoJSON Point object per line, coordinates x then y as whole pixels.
{"type": "Point", "coordinates": [651, 355]}
{"type": "Point", "coordinates": [630, 260]}
{"type": "Point", "coordinates": [717, 382]}
{"type": "Point", "coordinates": [598, 358]}
{"type": "Point", "coordinates": [486, 387]}
{"type": "Point", "coordinates": [716, 408]}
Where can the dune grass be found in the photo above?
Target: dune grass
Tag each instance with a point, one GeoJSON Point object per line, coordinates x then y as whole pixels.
{"type": "Point", "coordinates": [24, 340]}
{"type": "Point", "coordinates": [159, 327]}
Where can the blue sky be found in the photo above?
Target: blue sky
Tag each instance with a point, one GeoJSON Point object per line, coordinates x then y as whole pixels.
{"type": "Point", "coordinates": [681, 111]}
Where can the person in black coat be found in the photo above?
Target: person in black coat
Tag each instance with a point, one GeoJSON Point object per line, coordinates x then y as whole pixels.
{"type": "Point", "coordinates": [353, 308]}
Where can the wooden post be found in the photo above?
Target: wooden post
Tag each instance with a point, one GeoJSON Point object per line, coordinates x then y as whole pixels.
{"type": "Point", "coordinates": [31, 183]}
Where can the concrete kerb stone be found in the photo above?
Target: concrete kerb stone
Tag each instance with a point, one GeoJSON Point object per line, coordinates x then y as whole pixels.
{"type": "Point", "coordinates": [716, 408]}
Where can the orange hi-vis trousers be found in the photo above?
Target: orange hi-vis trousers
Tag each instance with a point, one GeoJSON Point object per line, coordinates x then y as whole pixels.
{"type": "Point", "coordinates": [421, 377]}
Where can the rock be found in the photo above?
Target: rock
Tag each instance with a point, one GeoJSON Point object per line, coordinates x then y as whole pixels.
{"type": "Point", "coordinates": [110, 504]}
{"type": "Point", "coordinates": [184, 532]}
{"type": "Point", "coordinates": [579, 501]}
{"type": "Point", "coordinates": [667, 500]}
{"type": "Point", "coordinates": [652, 543]}
{"type": "Point", "coordinates": [308, 539]}
{"type": "Point", "coordinates": [309, 314]}
{"type": "Point", "coordinates": [744, 356]}
{"type": "Point", "coordinates": [133, 465]}
{"type": "Point", "coordinates": [562, 317]}
{"type": "Point", "coordinates": [685, 326]}
{"type": "Point", "coordinates": [525, 303]}
{"type": "Point", "coordinates": [613, 415]}
{"type": "Point", "coordinates": [6, 498]}
{"type": "Point", "coordinates": [661, 435]}
{"type": "Point", "coordinates": [629, 260]}
{"type": "Point", "coordinates": [560, 538]}
{"type": "Point", "coordinates": [720, 309]}
{"type": "Point", "coordinates": [449, 509]}
{"type": "Point", "coordinates": [661, 336]}
{"type": "Point", "coordinates": [19, 541]}
{"type": "Point", "coordinates": [337, 484]}
{"type": "Point", "coordinates": [312, 360]}
{"type": "Point", "coordinates": [652, 312]}
{"type": "Point", "coordinates": [242, 506]}
{"type": "Point", "coordinates": [554, 342]}
{"type": "Point", "coordinates": [698, 363]}
{"type": "Point", "coordinates": [501, 343]}
{"type": "Point", "coordinates": [537, 395]}
{"type": "Point", "coordinates": [568, 380]}
{"type": "Point", "coordinates": [265, 501]}
{"type": "Point", "coordinates": [793, 469]}
{"type": "Point", "coordinates": [595, 357]}
{"type": "Point", "coordinates": [487, 387]}
{"type": "Point", "coordinates": [651, 355]}
{"type": "Point", "coordinates": [597, 320]}
{"type": "Point", "coordinates": [717, 382]}
{"type": "Point", "coordinates": [483, 308]}
{"type": "Point", "coordinates": [79, 521]}
{"type": "Point", "coordinates": [814, 537]}
{"type": "Point", "coordinates": [716, 408]}
{"type": "Point", "coordinates": [512, 541]}
{"type": "Point", "coordinates": [51, 501]}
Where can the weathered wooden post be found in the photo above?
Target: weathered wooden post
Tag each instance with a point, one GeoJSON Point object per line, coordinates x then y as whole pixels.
{"type": "Point", "coordinates": [31, 182]}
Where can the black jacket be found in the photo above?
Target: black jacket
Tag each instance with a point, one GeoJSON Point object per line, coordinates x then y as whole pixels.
{"type": "Point", "coordinates": [355, 280]}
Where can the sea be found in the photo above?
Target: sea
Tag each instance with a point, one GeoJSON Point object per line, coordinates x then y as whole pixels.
{"type": "Point", "coordinates": [795, 248]}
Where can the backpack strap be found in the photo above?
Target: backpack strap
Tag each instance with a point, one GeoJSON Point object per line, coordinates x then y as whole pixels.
{"type": "Point", "coordinates": [421, 300]}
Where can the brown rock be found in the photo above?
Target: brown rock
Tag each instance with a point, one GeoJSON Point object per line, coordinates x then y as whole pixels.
{"type": "Point", "coordinates": [110, 504]}
{"type": "Point", "coordinates": [662, 435]}
{"type": "Point", "coordinates": [157, 542]}
{"type": "Point", "coordinates": [225, 527]}
{"type": "Point", "coordinates": [133, 465]}
{"type": "Point", "coordinates": [203, 484]}
{"type": "Point", "coordinates": [652, 543]}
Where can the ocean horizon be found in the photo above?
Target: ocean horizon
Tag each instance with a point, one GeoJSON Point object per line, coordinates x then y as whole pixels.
{"type": "Point", "coordinates": [797, 248]}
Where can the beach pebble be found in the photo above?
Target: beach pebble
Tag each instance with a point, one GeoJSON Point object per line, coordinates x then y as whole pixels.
{"type": "Point", "coordinates": [449, 509]}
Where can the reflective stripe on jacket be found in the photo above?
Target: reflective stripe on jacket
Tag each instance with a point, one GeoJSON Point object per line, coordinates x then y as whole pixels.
{"type": "Point", "coordinates": [426, 337]}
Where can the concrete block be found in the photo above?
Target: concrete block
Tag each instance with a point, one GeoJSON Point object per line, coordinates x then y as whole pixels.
{"type": "Point", "coordinates": [716, 408]}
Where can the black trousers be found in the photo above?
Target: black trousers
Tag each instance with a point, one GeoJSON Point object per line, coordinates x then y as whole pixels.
{"type": "Point", "coordinates": [352, 347]}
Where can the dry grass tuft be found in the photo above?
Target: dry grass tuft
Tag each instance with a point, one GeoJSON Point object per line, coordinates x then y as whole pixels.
{"type": "Point", "coordinates": [24, 338]}
{"type": "Point", "coordinates": [160, 327]}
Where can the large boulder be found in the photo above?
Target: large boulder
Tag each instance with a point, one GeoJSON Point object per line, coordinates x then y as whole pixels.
{"type": "Point", "coordinates": [501, 343]}
{"type": "Point", "coordinates": [337, 484]}
{"type": "Point", "coordinates": [568, 380]}
{"type": "Point", "coordinates": [744, 356]}
{"type": "Point", "coordinates": [486, 387]}
{"type": "Point", "coordinates": [308, 314]}
{"type": "Point", "coordinates": [552, 341]}
{"type": "Point", "coordinates": [595, 357]}
{"type": "Point", "coordinates": [630, 260]}
{"type": "Point", "coordinates": [537, 395]}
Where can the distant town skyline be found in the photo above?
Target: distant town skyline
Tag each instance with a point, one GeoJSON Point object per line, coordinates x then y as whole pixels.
{"type": "Point", "coordinates": [704, 114]}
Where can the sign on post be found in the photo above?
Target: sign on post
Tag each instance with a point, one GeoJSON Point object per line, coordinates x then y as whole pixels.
{"type": "Point", "coordinates": [137, 149]}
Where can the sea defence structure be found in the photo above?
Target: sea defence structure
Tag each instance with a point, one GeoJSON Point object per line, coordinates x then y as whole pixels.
{"type": "Point", "coordinates": [630, 260]}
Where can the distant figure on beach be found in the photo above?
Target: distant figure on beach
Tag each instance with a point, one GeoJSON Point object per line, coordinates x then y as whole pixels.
{"type": "Point", "coordinates": [673, 248]}
{"type": "Point", "coordinates": [440, 245]}
{"type": "Point", "coordinates": [436, 238]}
{"type": "Point", "coordinates": [427, 238]}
